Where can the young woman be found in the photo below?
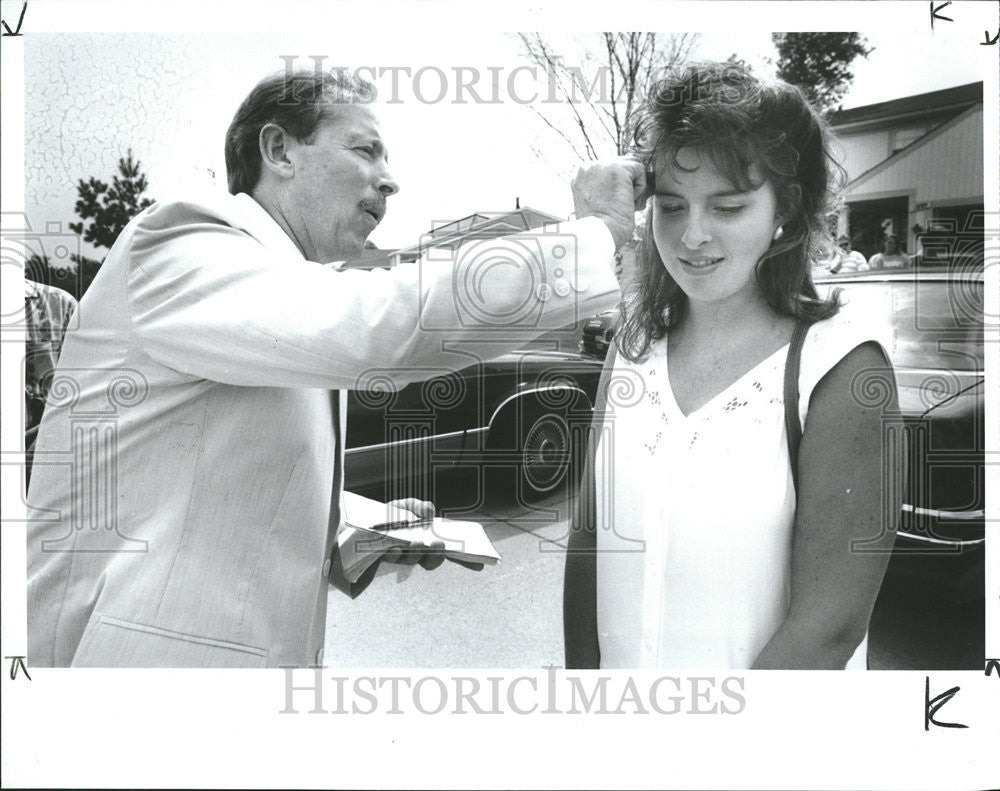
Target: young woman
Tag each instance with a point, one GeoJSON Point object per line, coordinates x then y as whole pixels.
{"type": "Point", "coordinates": [890, 257]}
{"type": "Point", "coordinates": [693, 546]}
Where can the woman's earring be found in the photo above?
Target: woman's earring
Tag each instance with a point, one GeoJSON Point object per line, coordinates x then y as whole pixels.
{"type": "Point", "coordinates": [778, 233]}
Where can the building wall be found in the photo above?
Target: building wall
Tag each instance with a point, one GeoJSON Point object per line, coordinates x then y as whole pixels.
{"type": "Point", "coordinates": [871, 138]}
{"type": "Point", "coordinates": [939, 174]}
{"type": "Point", "coordinates": [862, 150]}
{"type": "Point", "coordinates": [948, 168]}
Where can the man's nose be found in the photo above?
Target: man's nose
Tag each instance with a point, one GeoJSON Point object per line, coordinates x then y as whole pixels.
{"type": "Point", "coordinates": [386, 183]}
{"type": "Point", "coordinates": [696, 232]}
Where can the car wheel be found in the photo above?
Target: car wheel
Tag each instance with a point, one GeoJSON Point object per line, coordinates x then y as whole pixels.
{"type": "Point", "coordinates": [545, 454]}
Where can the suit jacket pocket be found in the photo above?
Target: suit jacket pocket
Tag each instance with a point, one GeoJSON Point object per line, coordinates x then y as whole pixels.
{"type": "Point", "coordinates": [113, 642]}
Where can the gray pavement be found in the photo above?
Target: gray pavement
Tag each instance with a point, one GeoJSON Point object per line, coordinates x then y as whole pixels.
{"type": "Point", "coordinates": [508, 615]}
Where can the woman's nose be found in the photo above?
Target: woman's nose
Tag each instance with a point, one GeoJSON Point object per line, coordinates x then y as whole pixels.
{"type": "Point", "coordinates": [696, 232]}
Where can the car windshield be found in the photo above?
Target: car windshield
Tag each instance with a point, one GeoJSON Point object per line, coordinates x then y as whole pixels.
{"type": "Point", "coordinates": [934, 324]}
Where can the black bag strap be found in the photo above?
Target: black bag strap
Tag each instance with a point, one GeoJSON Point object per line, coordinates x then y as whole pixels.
{"type": "Point", "coordinates": [793, 428]}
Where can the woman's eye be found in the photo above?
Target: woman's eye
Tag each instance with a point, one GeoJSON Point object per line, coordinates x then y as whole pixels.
{"type": "Point", "coordinates": [670, 208]}
{"type": "Point", "coordinates": [368, 150]}
{"type": "Point", "coordinates": [729, 210]}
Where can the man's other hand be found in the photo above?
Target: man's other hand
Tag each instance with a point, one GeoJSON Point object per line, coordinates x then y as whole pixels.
{"type": "Point", "coordinates": [431, 555]}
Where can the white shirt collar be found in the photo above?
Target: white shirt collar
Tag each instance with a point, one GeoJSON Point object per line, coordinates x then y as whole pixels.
{"type": "Point", "coordinates": [263, 227]}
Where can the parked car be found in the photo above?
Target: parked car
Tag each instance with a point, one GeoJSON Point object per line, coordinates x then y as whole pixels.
{"type": "Point", "coordinates": [934, 330]}
{"type": "Point", "coordinates": [598, 333]}
{"type": "Point", "coordinates": [516, 420]}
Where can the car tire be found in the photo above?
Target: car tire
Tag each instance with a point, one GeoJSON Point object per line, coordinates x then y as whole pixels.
{"type": "Point", "coordinates": [535, 449]}
{"type": "Point", "coordinates": [546, 454]}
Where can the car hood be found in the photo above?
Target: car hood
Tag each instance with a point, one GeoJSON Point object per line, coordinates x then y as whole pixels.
{"type": "Point", "coordinates": [940, 394]}
{"type": "Point", "coordinates": [535, 355]}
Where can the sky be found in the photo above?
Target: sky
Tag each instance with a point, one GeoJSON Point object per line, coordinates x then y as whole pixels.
{"type": "Point", "coordinates": [453, 149]}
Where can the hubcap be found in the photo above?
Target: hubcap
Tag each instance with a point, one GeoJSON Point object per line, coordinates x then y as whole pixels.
{"type": "Point", "coordinates": [545, 456]}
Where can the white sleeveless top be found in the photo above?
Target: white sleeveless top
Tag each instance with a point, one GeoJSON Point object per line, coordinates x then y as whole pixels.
{"type": "Point", "coordinates": [695, 513]}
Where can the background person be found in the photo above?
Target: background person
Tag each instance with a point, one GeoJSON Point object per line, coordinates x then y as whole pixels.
{"type": "Point", "coordinates": [690, 547]}
{"type": "Point", "coordinates": [195, 524]}
{"type": "Point", "coordinates": [891, 256]}
{"type": "Point", "coordinates": [47, 314]}
{"type": "Point", "coordinates": [847, 259]}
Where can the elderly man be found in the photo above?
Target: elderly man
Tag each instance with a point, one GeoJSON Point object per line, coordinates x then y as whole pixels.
{"type": "Point", "coordinates": [186, 493]}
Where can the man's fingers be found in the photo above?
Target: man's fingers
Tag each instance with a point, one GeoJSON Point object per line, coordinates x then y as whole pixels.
{"type": "Point", "coordinates": [611, 191]}
{"type": "Point", "coordinates": [433, 556]}
{"type": "Point", "coordinates": [643, 179]}
{"type": "Point", "coordinates": [636, 168]}
{"type": "Point", "coordinates": [431, 560]}
{"type": "Point", "coordinates": [424, 509]}
{"type": "Point", "coordinates": [395, 555]}
{"type": "Point", "coordinates": [429, 556]}
{"type": "Point", "coordinates": [404, 556]}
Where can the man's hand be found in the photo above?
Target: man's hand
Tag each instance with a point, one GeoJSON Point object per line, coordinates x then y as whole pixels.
{"type": "Point", "coordinates": [430, 556]}
{"type": "Point", "coordinates": [612, 190]}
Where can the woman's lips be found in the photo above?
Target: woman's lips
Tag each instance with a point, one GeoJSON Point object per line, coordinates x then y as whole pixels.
{"type": "Point", "coordinates": [700, 265]}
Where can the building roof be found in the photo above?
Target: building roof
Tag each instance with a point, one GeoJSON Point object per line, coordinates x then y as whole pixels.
{"type": "Point", "coordinates": [522, 219]}
{"type": "Point", "coordinates": [459, 226]}
{"type": "Point", "coordinates": [949, 100]}
{"type": "Point", "coordinates": [480, 225]}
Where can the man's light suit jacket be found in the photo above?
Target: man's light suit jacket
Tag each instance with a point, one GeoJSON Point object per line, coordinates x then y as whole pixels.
{"type": "Point", "coordinates": [185, 494]}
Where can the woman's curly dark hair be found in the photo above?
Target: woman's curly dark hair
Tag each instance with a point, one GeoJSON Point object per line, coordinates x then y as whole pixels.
{"type": "Point", "coordinates": [743, 126]}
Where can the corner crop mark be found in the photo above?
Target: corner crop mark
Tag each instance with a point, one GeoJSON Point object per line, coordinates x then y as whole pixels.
{"type": "Point", "coordinates": [20, 21]}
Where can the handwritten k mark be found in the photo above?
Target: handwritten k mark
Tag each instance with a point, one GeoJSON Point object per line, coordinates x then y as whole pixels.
{"type": "Point", "coordinates": [931, 706]}
{"type": "Point", "coordinates": [935, 13]}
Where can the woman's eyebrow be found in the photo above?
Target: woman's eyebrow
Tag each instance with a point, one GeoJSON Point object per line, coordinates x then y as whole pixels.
{"type": "Point", "coordinates": [722, 194]}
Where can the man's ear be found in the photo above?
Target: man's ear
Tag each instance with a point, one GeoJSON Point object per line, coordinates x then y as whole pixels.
{"type": "Point", "coordinates": [274, 143]}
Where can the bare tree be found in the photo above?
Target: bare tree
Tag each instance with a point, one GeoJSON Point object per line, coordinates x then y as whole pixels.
{"type": "Point", "coordinates": [588, 104]}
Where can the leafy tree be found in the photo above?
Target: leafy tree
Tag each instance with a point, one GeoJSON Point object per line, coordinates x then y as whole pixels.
{"type": "Point", "coordinates": [591, 103]}
{"type": "Point", "coordinates": [108, 208]}
{"type": "Point", "coordinates": [820, 64]}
